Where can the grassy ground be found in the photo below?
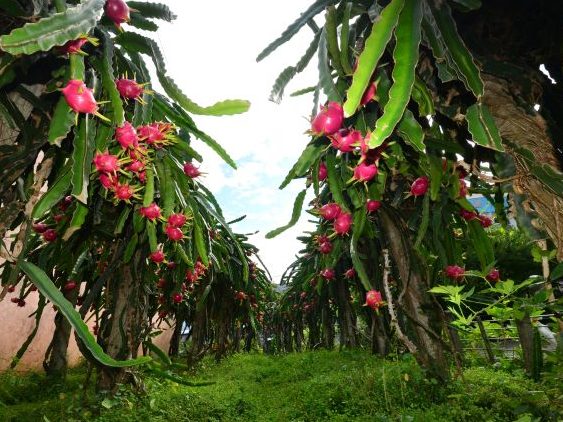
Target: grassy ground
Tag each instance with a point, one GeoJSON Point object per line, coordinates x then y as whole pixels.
{"type": "Point", "coordinates": [312, 386]}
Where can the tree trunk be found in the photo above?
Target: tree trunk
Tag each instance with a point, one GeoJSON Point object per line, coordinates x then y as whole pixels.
{"type": "Point", "coordinates": [174, 348]}
{"type": "Point", "coordinates": [288, 337]}
{"type": "Point", "coordinates": [298, 328]}
{"type": "Point", "coordinates": [199, 327]}
{"type": "Point", "coordinates": [417, 301]}
{"type": "Point", "coordinates": [55, 363]}
{"type": "Point", "coordinates": [123, 330]}
{"type": "Point", "coordinates": [346, 316]}
{"type": "Point", "coordinates": [314, 331]}
{"type": "Point", "coordinates": [248, 339]}
{"type": "Point", "coordinates": [379, 340]}
{"type": "Point", "coordinates": [526, 336]}
{"type": "Point", "coordinates": [328, 327]}
{"type": "Point", "coordinates": [237, 335]}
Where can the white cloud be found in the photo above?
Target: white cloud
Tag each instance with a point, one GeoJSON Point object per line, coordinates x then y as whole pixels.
{"type": "Point", "coordinates": [210, 52]}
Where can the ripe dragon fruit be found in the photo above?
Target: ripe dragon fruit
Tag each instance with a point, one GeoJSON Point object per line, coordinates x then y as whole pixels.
{"type": "Point", "coordinates": [124, 192]}
{"type": "Point", "coordinates": [345, 139]}
{"type": "Point", "coordinates": [329, 119]}
{"type": "Point", "coordinates": [157, 257]}
{"type": "Point", "coordinates": [350, 273]}
{"type": "Point", "coordinates": [117, 11]}
{"type": "Point", "coordinates": [79, 97]}
{"type": "Point", "coordinates": [129, 88]}
{"type": "Point", "coordinates": [325, 247]}
{"type": "Point", "coordinates": [374, 300]}
{"type": "Point", "coordinates": [106, 162]}
{"type": "Point", "coordinates": [493, 276]}
{"type": "Point", "coordinates": [328, 274]}
{"type": "Point", "coordinates": [343, 223]}
{"type": "Point", "coordinates": [365, 172]}
{"type": "Point", "coordinates": [177, 220]}
{"type": "Point", "coordinates": [323, 172]}
{"type": "Point", "coordinates": [126, 135]}
{"type": "Point", "coordinates": [372, 205]}
{"type": "Point", "coordinates": [330, 211]}
{"type": "Point", "coordinates": [191, 171]}
{"type": "Point", "coordinates": [152, 212]}
{"type": "Point", "coordinates": [455, 272]}
{"type": "Point", "coordinates": [419, 186]}
{"type": "Point", "coordinates": [174, 233]}
{"type": "Point", "coordinates": [369, 94]}
{"type": "Point", "coordinates": [49, 235]}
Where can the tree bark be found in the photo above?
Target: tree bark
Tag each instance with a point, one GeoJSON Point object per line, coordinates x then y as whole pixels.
{"type": "Point", "coordinates": [346, 316]}
{"type": "Point", "coordinates": [199, 327]}
{"type": "Point", "coordinates": [328, 327]}
{"type": "Point", "coordinates": [526, 336]}
{"type": "Point", "coordinates": [416, 298]}
{"type": "Point", "coordinates": [55, 363]}
{"type": "Point", "coordinates": [298, 328]}
{"type": "Point", "coordinates": [122, 333]}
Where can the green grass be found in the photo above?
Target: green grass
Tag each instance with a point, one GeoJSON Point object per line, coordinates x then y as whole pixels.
{"type": "Point", "coordinates": [312, 386]}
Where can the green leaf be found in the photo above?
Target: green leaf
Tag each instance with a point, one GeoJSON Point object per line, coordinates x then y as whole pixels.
{"type": "Point", "coordinates": [78, 219]}
{"type": "Point", "coordinates": [152, 10]}
{"type": "Point", "coordinates": [166, 186]}
{"type": "Point", "coordinates": [289, 72]}
{"type": "Point", "coordinates": [357, 231]}
{"type": "Point", "coordinates": [311, 154]}
{"type": "Point", "coordinates": [330, 29]}
{"type": "Point", "coordinates": [423, 98]}
{"type": "Point", "coordinates": [121, 220]}
{"type": "Point", "coordinates": [148, 197]}
{"type": "Point", "coordinates": [55, 193]}
{"type": "Point", "coordinates": [51, 292]}
{"type": "Point", "coordinates": [335, 181]}
{"type": "Point", "coordinates": [344, 37]}
{"type": "Point", "coordinates": [467, 5]}
{"type": "Point", "coordinates": [424, 221]}
{"type": "Point", "coordinates": [159, 353]}
{"type": "Point", "coordinates": [81, 160]}
{"type": "Point", "coordinates": [213, 144]}
{"type": "Point", "coordinates": [130, 248]}
{"type": "Point", "coordinates": [481, 243]}
{"type": "Point", "coordinates": [200, 241]}
{"type": "Point", "coordinates": [140, 22]}
{"type": "Point", "coordinates": [374, 48]}
{"type": "Point", "coordinates": [405, 56]}
{"type": "Point", "coordinates": [325, 77]}
{"type": "Point", "coordinates": [108, 81]}
{"type": "Point", "coordinates": [297, 206]}
{"type": "Point", "coordinates": [410, 130]}
{"type": "Point", "coordinates": [436, 174]}
{"type": "Point", "coordinates": [61, 123]}
{"type": "Point", "coordinates": [482, 127]}
{"type": "Point", "coordinates": [140, 44]}
{"type": "Point", "coordinates": [226, 107]}
{"type": "Point", "coordinates": [151, 233]}
{"type": "Point", "coordinates": [313, 10]}
{"type": "Point", "coordinates": [63, 117]}
{"type": "Point", "coordinates": [466, 68]}
{"type": "Point", "coordinates": [53, 30]}
{"type": "Point", "coordinates": [557, 272]}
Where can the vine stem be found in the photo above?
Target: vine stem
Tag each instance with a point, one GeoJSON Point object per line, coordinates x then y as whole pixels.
{"type": "Point", "coordinates": [394, 322]}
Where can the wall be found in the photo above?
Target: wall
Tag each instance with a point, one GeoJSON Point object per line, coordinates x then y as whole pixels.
{"type": "Point", "coordinates": [16, 325]}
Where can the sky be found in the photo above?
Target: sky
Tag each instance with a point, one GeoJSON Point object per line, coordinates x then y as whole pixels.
{"type": "Point", "coordinates": [210, 51]}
